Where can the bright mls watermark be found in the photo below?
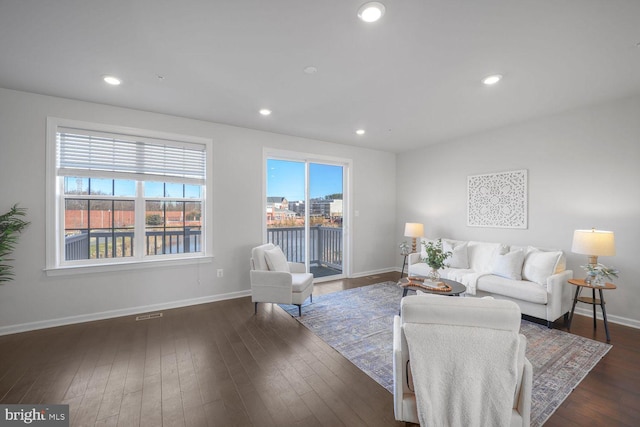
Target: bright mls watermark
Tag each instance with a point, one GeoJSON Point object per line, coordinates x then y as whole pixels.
{"type": "Point", "coordinates": [34, 415]}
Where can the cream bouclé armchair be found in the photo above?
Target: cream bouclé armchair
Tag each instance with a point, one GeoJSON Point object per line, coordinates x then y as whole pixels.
{"type": "Point", "coordinates": [275, 280]}
{"type": "Point", "coordinates": [458, 326]}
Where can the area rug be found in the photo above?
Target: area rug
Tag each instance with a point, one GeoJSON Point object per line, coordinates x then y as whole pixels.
{"type": "Point", "coordinates": [358, 323]}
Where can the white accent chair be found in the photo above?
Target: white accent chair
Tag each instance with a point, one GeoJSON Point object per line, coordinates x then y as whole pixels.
{"type": "Point", "coordinates": [275, 280]}
{"type": "Point", "coordinates": [433, 312]}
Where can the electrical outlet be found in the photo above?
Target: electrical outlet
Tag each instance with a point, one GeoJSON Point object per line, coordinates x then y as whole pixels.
{"type": "Point", "coordinates": [220, 272]}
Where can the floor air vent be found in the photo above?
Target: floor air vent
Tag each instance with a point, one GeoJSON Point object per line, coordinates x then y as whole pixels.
{"type": "Point", "coordinates": [148, 316]}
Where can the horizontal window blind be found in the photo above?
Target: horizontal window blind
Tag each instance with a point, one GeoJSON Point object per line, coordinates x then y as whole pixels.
{"type": "Point", "coordinates": [79, 151]}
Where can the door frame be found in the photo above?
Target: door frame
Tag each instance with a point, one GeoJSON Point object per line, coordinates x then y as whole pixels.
{"type": "Point", "coordinates": [347, 214]}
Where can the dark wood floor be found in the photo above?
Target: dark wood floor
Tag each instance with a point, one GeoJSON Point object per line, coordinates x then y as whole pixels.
{"type": "Point", "coordinates": [218, 364]}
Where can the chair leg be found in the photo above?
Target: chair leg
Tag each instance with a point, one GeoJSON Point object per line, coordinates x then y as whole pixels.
{"type": "Point", "coordinates": [311, 296]}
{"type": "Point", "coordinates": [255, 308]}
{"type": "Point", "coordinates": [299, 310]}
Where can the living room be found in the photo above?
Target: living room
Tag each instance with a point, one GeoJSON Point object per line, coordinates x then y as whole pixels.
{"type": "Point", "coordinates": [581, 164]}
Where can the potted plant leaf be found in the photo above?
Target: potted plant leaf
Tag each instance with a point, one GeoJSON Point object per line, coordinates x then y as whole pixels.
{"type": "Point", "coordinates": [11, 225]}
{"type": "Point", "coordinates": [435, 258]}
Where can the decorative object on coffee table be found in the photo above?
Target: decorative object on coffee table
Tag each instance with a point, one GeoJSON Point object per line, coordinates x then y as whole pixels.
{"type": "Point", "coordinates": [448, 287]}
{"type": "Point", "coordinates": [435, 258]}
{"type": "Point", "coordinates": [422, 284]}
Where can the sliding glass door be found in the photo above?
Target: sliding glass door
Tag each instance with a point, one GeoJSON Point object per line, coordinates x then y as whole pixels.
{"type": "Point", "coordinates": [305, 213]}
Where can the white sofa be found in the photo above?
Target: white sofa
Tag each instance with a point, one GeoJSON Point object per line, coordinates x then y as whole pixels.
{"type": "Point", "coordinates": [533, 278]}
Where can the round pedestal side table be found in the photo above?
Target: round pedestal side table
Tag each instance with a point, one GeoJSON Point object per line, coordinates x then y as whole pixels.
{"type": "Point", "coordinates": [579, 284]}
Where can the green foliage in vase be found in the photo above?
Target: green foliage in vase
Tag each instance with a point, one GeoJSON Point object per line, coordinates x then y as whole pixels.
{"type": "Point", "coordinates": [11, 224]}
{"type": "Point", "coordinates": [601, 270]}
{"type": "Point", "coordinates": [435, 255]}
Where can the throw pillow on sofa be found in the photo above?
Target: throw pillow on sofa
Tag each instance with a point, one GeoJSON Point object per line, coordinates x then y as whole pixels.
{"type": "Point", "coordinates": [459, 257]}
{"type": "Point", "coordinates": [508, 265]}
{"type": "Point", "coordinates": [276, 261]}
{"type": "Point", "coordinates": [539, 265]}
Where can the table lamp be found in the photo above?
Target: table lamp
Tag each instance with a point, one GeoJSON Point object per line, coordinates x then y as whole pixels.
{"type": "Point", "coordinates": [593, 243]}
{"type": "Point", "coordinates": [413, 230]}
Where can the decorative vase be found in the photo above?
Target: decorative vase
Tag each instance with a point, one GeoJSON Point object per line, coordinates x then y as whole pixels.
{"type": "Point", "coordinates": [591, 278]}
{"type": "Point", "coordinates": [598, 280]}
{"type": "Point", "coordinates": [434, 274]}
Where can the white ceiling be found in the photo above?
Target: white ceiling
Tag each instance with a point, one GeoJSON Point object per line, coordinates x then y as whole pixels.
{"type": "Point", "coordinates": [411, 79]}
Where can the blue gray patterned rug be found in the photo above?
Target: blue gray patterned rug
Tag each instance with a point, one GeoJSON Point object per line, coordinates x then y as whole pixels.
{"type": "Point", "coordinates": [358, 323]}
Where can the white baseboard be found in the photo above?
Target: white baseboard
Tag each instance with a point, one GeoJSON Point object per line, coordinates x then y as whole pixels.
{"type": "Point", "coordinates": [374, 272]}
{"type": "Point", "coordinates": [632, 323]}
{"type": "Point", "coordinates": [32, 326]}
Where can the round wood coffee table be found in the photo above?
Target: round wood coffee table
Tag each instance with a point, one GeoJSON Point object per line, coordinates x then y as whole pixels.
{"type": "Point", "coordinates": [456, 287]}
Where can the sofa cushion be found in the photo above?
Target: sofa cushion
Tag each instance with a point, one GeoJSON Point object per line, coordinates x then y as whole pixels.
{"type": "Point", "coordinates": [276, 261]}
{"type": "Point", "coordinates": [459, 257]}
{"type": "Point", "coordinates": [258, 260]}
{"type": "Point", "coordinates": [539, 265]}
{"type": "Point", "coordinates": [301, 281]}
{"type": "Point", "coordinates": [518, 289]}
{"type": "Point", "coordinates": [508, 265]}
{"type": "Point", "coordinates": [481, 255]}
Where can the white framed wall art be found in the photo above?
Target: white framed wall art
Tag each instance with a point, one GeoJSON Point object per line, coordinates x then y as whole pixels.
{"type": "Point", "coordinates": [497, 199]}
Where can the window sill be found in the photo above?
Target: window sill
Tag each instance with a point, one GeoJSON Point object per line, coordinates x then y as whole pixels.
{"type": "Point", "coordinates": [134, 265]}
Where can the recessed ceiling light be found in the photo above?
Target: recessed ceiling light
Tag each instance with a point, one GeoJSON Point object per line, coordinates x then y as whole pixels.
{"type": "Point", "coordinates": [492, 79]}
{"type": "Point", "coordinates": [360, 131]}
{"type": "Point", "coordinates": [310, 70]}
{"type": "Point", "coordinates": [265, 112]}
{"type": "Point", "coordinates": [112, 80]}
{"type": "Point", "coordinates": [371, 11]}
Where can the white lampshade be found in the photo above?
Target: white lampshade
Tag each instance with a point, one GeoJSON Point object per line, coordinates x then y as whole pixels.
{"type": "Point", "coordinates": [594, 243]}
{"type": "Point", "coordinates": [413, 229]}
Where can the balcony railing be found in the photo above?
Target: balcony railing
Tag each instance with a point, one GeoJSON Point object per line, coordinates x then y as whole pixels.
{"type": "Point", "coordinates": [325, 244]}
{"type": "Point", "coordinates": [116, 244]}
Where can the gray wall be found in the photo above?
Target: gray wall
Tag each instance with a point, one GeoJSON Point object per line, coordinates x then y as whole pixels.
{"type": "Point", "coordinates": [583, 171]}
{"type": "Point", "coordinates": [36, 300]}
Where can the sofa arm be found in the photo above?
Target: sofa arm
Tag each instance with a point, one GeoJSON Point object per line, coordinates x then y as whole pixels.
{"type": "Point", "coordinates": [524, 397]}
{"type": "Point", "coordinates": [413, 258]}
{"type": "Point", "coordinates": [558, 294]}
{"type": "Point", "coordinates": [297, 267]}
{"type": "Point", "coordinates": [398, 369]}
{"type": "Point", "coordinates": [270, 278]}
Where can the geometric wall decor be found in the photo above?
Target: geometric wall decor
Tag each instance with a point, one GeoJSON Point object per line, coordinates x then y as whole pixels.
{"type": "Point", "coordinates": [497, 200]}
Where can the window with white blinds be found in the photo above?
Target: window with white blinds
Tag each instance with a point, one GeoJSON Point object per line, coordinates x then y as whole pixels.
{"type": "Point", "coordinates": [121, 195]}
{"type": "Point", "coordinates": [81, 151]}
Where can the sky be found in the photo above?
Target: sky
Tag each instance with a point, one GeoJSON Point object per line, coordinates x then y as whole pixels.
{"type": "Point", "coordinates": [286, 179]}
